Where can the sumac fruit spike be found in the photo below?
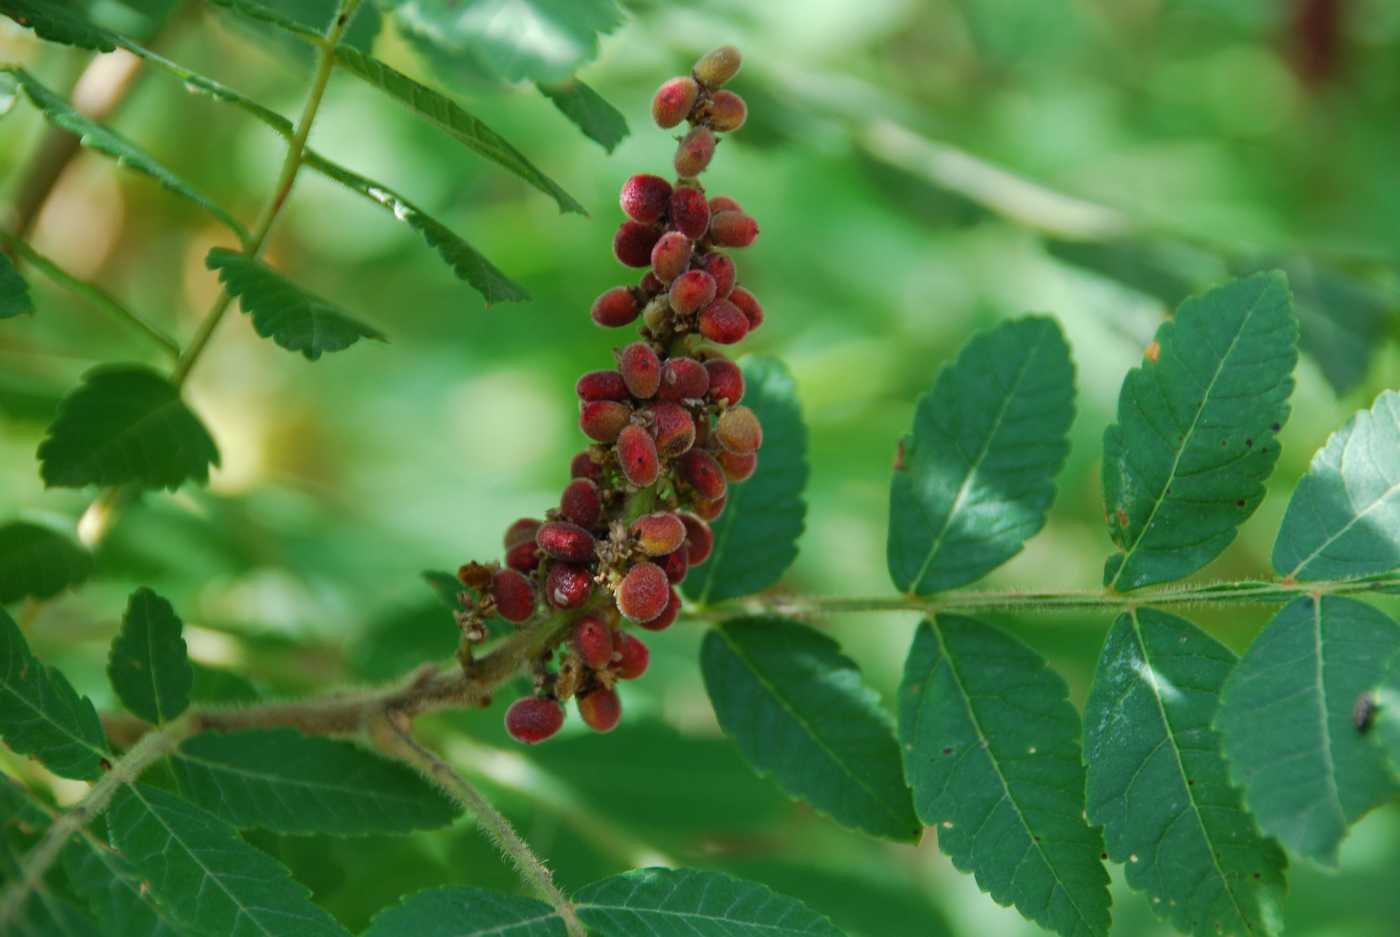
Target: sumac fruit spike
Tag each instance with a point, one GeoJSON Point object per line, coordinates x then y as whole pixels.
{"type": "Point", "coordinates": [632, 656]}
{"type": "Point", "coordinates": [738, 468]}
{"type": "Point", "coordinates": [720, 266]}
{"type": "Point", "coordinates": [581, 502]}
{"type": "Point", "coordinates": [636, 453]}
{"type": "Point", "coordinates": [603, 419]}
{"type": "Point", "coordinates": [676, 564]}
{"type": "Point", "coordinates": [522, 531]}
{"type": "Point", "coordinates": [671, 256]}
{"type": "Point", "coordinates": [703, 473]}
{"type": "Point", "coordinates": [692, 290]}
{"type": "Point", "coordinates": [600, 709]}
{"type": "Point", "coordinates": [633, 242]}
{"type": "Point", "coordinates": [514, 595]}
{"type": "Point", "coordinates": [709, 508]}
{"type": "Point", "coordinates": [667, 618]}
{"type": "Point", "coordinates": [732, 229]}
{"type": "Point", "coordinates": [694, 153]}
{"type": "Point", "coordinates": [534, 719]}
{"type": "Point", "coordinates": [567, 585]}
{"type": "Point", "coordinates": [749, 305]}
{"type": "Point", "coordinates": [601, 385]}
{"type": "Point", "coordinates": [690, 213]}
{"type": "Point", "coordinates": [673, 102]}
{"type": "Point", "coordinates": [643, 593]}
{"type": "Point", "coordinates": [616, 307]}
{"type": "Point", "coordinates": [722, 322]}
{"type": "Point", "coordinates": [640, 368]}
{"type": "Point", "coordinates": [726, 381]}
{"type": "Point", "coordinates": [566, 541]}
{"type": "Point", "coordinates": [672, 427]}
{"type": "Point", "coordinates": [658, 533]}
{"type": "Point", "coordinates": [699, 539]}
{"type": "Point", "coordinates": [592, 641]}
{"type": "Point", "coordinates": [718, 66]}
{"type": "Point", "coordinates": [726, 112]}
{"type": "Point", "coordinates": [583, 466]}
{"type": "Point", "coordinates": [738, 430]}
{"type": "Point", "coordinates": [645, 198]}
{"type": "Point", "coordinates": [683, 379]}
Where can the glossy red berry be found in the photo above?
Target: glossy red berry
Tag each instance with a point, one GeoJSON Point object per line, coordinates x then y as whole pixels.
{"type": "Point", "coordinates": [640, 369]}
{"type": "Point", "coordinates": [632, 656]}
{"type": "Point", "coordinates": [738, 430]}
{"type": "Point", "coordinates": [737, 468]}
{"type": "Point", "coordinates": [514, 595]}
{"type": "Point", "coordinates": [582, 503]}
{"type": "Point", "coordinates": [722, 322]}
{"type": "Point", "coordinates": [645, 198]}
{"type": "Point", "coordinates": [690, 213]}
{"type": "Point", "coordinates": [668, 615]}
{"type": "Point", "coordinates": [703, 473]}
{"type": "Point", "coordinates": [616, 308]}
{"type": "Point", "coordinates": [601, 385]}
{"type": "Point", "coordinates": [583, 466]}
{"type": "Point", "coordinates": [566, 541]}
{"type": "Point", "coordinates": [692, 290]}
{"type": "Point", "coordinates": [699, 539]}
{"type": "Point", "coordinates": [721, 267]}
{"type": "Point", "coordinates": [567, 585]}
{"type": "Point", "coordinates": [592, 641]}
{"type": "Point", "coordinates": [633, 242]}
{"type": "Point", "coordinates": [708, 509]}
{"type": "Point", "coordinates": [696, 150]}
{"type": "Point", "coordinates": [523, 556]}
{"type": "Point", "coordinates": [671, 256]}
{"type": "Point", "coordinates": [600, 709]}
{"type": "Point", "coordinates": [673, 102]}
{"type": "Point", "coordinates": [683, 379]}
{"type": "Point", "coordinates": [603, 419]}
{"type": "Point", "coordinates": [749, 305]}
{"type": "Point", "coordinates": [726, 112]}
{"type": "Point", "coordinates": [522, 531]}
{"type": "Point", "coordinates": [718, 66]}
{"type": "Point", "coordinates": [733, 229]}
{"type": "Point", "coordinates": [672, 427]}
{"type": "Point", "coordinates": [726, 381]}
{"type": "Point", "coordinates": [636, 453]}
{"type": "Point", "coordinates": [534, 719]}
{"type": "Point", "coordinates": [658, 533]}
{"type": "Point", "coordinates": [723, 203]}
{"type": "Point", "coordinates": [676, 564]}
{"type": "Point", "coordinates": [643, 593]}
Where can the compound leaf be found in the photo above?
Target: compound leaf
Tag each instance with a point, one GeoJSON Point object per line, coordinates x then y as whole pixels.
{"type": "Point", "coordinates": [148, 666]}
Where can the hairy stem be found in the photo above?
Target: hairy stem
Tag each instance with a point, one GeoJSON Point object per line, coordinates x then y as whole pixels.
{"type": "Point", "coordinates": [530, 866]}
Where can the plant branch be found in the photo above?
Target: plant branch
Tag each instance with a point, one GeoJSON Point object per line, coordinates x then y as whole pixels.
{"type": "Point", "coordinates": [497, 827]}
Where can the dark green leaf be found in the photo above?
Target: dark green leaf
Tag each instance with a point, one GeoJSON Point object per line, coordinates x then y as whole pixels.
{"type": "Point", "coordinates": [1157, 780]}
{"type": "Point", "coordinates": [14, 292]}
{"type": "Point", "coordinates": [149, 667]}
{"type": "Point", "coordinates": [691, 903]}
{"type": "Point", "coordinates": [103, 140]}
{"type": "Point", "coordinates": [451, 118]}
{"type": "Point", "coordinates": [263, 14]}
{"type": "Point", "coordinates": [126, 424]}
{"type": "Point", "coordinates": [42, 715]}
{"type": "Point", "coordinates": [470, 266]}
{"type": "Point", "coordinates": [974, 481]}
{"type": "Point", "coordinates": [1286, 722]}
{"type": "Point", "coordinates": [799, 711]}
{"type": "Point", "coordinates": [756, 537]}
{"type": "Point", "coordinates": [38, 561]}
{"type": "Point", "coordinates": [991, 749]}
{"type": "Point", "coordinates": [1344, 518]}
{"type": "Point", "coordinates": [212, 685]}
{"type": "Point", "coordinates": [112, 888]}
{"type": "Point", "coordinates": [207, 878]}
{"type": "Point", "coordinates": [50, 21]}
{"type": "Point", "coordinates": [42, 912]}
{"type": "Point", "coordinates": [586, 109]}
{"type": "Point", "coordinates": [1342, 320]}
{"type": "Point", "coordinates": [466, 912]}
{"type": "Point", "coordinates": [281, 780]}
{"type": "Point", "coordinates": [1185, 464]}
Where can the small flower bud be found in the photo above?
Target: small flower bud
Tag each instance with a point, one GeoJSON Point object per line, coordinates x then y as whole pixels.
{"type": "Point", "coordinates": [616, 308]}
{"type": "Point", "coordinates": [703, 473]}
{"type": "Point", "coordinates": [699, 539]}
{"type": "Point", "coordinates": [644, 592]}
{"type": "Point", "coordinates": [636, 453]}
{"type": "Point", "coordinates": [672, 427]}
{"type": "Point", "coordinates": [633, 656]}
{"type": "Point", "coordinates": [708, 509]}
{"type": "Point", "coordinates": [566, 541]}
{"type": "Point", "coordinates": [645, 198]}
{"type": "Point", "coordinates": [671, 256]}
{"type": "Point", "coordinates": [633, 242]}
{"type": "Point", "coordinates": [667, 618]}
{"type": "Point", "coordinates": [732, 229]}
{"type": "Point", "coordinates": [600, 709]}
{"type": "Point", "coordinates": [683, 379]}
{"type": "Point", "coordinates": [534, 719]}
{"type": "Point", "coordinates": [738, 468]}
{"type": "Point", "coordinates": [641, 370]}
{"type": "Point", "coordinates": [514, 595]}
{"type": "Point", "coordinates": [603, 419]}
{"type": "Point", "coordinates": [696, 150]}
{"type": "Point", "coordinates": [522, 531]}
{"type": "Point", "coordinates": [717, 67]}
{"type": "Point", "coordinates": [692, 290]}
{"type": "Point", "coordinates": [738, 430]}
{"type": "Point", "coordinates": [722, 322]}
{"type": "Point", "coordinates": [690, 213]}
{"type": "Point", "coordinates": [749, 305]}
{"type": "Point", "coordinates": [673, 102]}
{"type": "Point", "coordinates": [658, 533]}
{"type": "Point", "coordinates": [726, 112]}
{"type": "Point", "coordinates": [601, 385]}
{"type": "Point", "coordinates": [721, 267]}
{"type": "Point", "coordinates": [592, 641]}
{"type": "Point", "coordinates": [581, 502]}
{"type": "Point", "coordinates": [726, 381]}
{"type": "Point", "coordinates": [676, 564]}
{"type": "Point", "coordinates": [567, 585]}
{"type": "Point", "coordinates": [583, 466]}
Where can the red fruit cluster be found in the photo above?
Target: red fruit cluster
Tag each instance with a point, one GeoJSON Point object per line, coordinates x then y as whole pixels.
{"type": "Point", "coordinates": [669, 429]}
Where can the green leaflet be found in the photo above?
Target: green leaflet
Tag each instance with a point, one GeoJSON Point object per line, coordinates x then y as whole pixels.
{"type": "Point", "coordinates": [756, 537]}
{"type": "Point", "coordinates": [466, 912]}
{"type": "Point", "coordinates": [1186, 461]}
{"type": "Point", "coordinates": [283, 781]}
{"type": "Point", "coordinates": [148, 666]}
{"type": "Point", "coordinates": [691, 903]}
{"type": "Point", "coordinates": [125, 424]}
{"type": "Point", "coordinates": [991, 749]}
{"type": "Point", "coordinates": [112, 889]}
{"type": "Point", "coordinates": [1157, 781]}
{"type": "Point", "coordinates": [42, 912]}
{"type": "Point", "coordinates": [263, 14]}
{"type": "Point", "coordinates": [38, 561]}
{"type": "Point", "coordinates": [42, 715]}
{"type": "Point", "coordinates": [1343, 520]}
{"type": "Point", "coordinates": [284, 312]}
{"type": "Point", "coordinates": [450, 117]}
{"type": "Point", "coordinates": [588, 111]}
{"type": "Point", "coordinates": [56, 24]}
{"type": "Point", "coordinates": [1286, 722]}
{"type": "Point", "coordinates": [109, 143]}
{"type": "Point", "coordinates": [799, 711]}
{"type": "Point", "coordinates": [975, 479]}
{"type": "Point", "coordinates": [464, 260]}
{"type": "Point", "coordinates": [212, 685]}
{"type": "Point", "coordinates": [208, 879]}
{"type": "Point", "coordinates": [14, 292]}
{"type": "Point", "coordinates": [1385, 716]}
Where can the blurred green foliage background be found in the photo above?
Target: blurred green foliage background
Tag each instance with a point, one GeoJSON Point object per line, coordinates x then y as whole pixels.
{"type": "Point", "coordinates": [1218, 121]}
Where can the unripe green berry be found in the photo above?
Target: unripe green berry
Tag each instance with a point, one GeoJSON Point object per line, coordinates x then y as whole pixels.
{"type": "Point", "coordinates": [721, 267]}
{"type": "Point", "coordinates": [692, 290]}
{"type": "Point", "coordinates": [601, 385]}
{"type": "Point", "coordinates": [636, 453]}
{"type": "Point", "coordinates": [644, 592]}
{"type": "Point", "coordinates": [717, 67]}
{"type": "Point", "coordinates": [566, 541]}
{"type": "Point", "coordinates": [514, 595]}
{"type": "Point", "coordinates": [733, 229]}
{"type": "Point", "coordinates": [603, 419]}
{"type": "Point", "coordinates": [667, 618]}
{"type": "Point", "coordinates": [672, 427]}
{"type": "Point", "coordinates": [583, 466]}
{"type": "Point", "coordinates": [726, 381]}
{"type": "Point", "coordinates": [703, 473]}
{"type": "Point", "coordinates": [582, 503]}
{"type": "Point", "coordinates": [696, 150]}
{"type": "Point", "coordinates": [633, 242]}
{"type": "Point", "coordinates": [658, 533]}
{"type": "Point", "coordinates": [726, 112]}
{"type": "Point", "coordinates": [749, 305]}
{"type": "Point", "coordinates": [737, 468]}
{"type": "Point", "coordinates": [699, 539]}
{"type": "Point", "coordinates": [632, 656]}
{"type": "Point", "coordinates": [708, 509]}
{"type": "Point", "coordinates": [683, 379]}
{"type": "Point", "coordinates": [645, 198]}
{"type": "Point", "coordinates": [641, 370]}
{"type": "Point", "coordinates": [567, 585]}
{"type": "Point", "coordinates": [600, 709]}
{"type": "Point", "coordinates": [722, 322]}
{"type": "Point", "coordinates": [657, 312]}
{"type": "Point", "coordinates": [615, 308]}
{"type": "Point", "coordinates": [671, 256]}
{"type": "Point", "coordinates": [533, 719]}
{"type": "Point", "coordinates": [592, 641]}
{"type": "Point", "coordinates": [739, 430]}
{"type": "Point", "coordinates": [673, 101]}
{"type": "Point", "coordinates": [690, 213]}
